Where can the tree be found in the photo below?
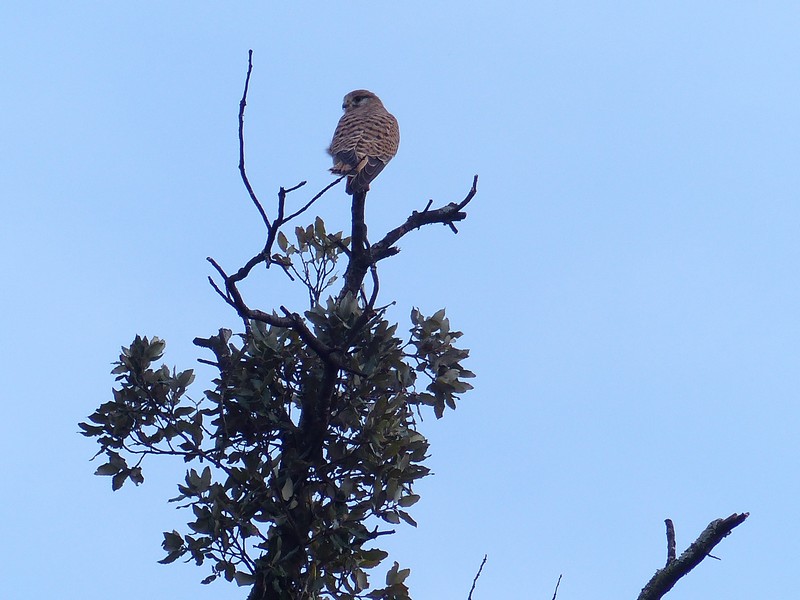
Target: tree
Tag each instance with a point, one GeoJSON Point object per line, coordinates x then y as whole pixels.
{"type": "Point", "coordinates": [307, 445]}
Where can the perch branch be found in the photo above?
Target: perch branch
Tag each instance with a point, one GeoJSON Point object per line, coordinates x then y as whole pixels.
{"type": "Point", "coordinates": [664, 579]}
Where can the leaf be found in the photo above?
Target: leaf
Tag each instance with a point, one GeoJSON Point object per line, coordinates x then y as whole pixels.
{"type": "Point", "coordinates": [287, 490]}
{"type": "Point", "coordinates": [243, 579]}
{"type": "Point", "coordinates": [171, 557]}
{"type": "Point", "coordinates": [283, 243]}
{"type": "Point", "coordinates": [438, 409]}
{"type": "Point", "coordinates": [361, 580]}
{"type": "Point", "coordinates": [392, 573]}
{"type": "Point", "coordinates": [319, 227]}
{"type": "Point", "coordinates": [391, 517]}
{"type": "Point", "coordinates": [136, 475]}
{"type": "Point", "coordinates": [192, 479]}
{"type": "Point", "coordinates": [108, 469]}
{"type": "Point", "coordinates": [119, 479]}
{"type": "Point", "coordinates": [183, 411]}
{"type": "Point", "coordinates": [316, 318]}
{"type": "Point", "coordinates": [392, 489]}
{"type": "Point", "coordinates": [396, 575]}
{"type": "Point", "coordinates": [300, 234]}
{"type": "Point", "coordinates": [185, 378]}
{"type": "Point", "coordinates": [373, 557]}
{"type": "Point", "coordinates": [90, 430]}
{"type": "Point", "coordinates": [205, 479]}
{"type": "Point", "coordinates": [409, 500]}
{"type": "Point", "coordinates": [172, 541]}
{"type": "Point", "coordinates": [407, 518]}
{"type": "Point", "coordinates": [402, 574]}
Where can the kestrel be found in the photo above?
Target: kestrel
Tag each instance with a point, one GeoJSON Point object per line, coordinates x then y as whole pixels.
{"type": "Point", "coordinates": [365, 140]}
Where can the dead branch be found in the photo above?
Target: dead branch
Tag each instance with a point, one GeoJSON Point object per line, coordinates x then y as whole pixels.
{"type": "Point", "coordinates": [478, 574]}
{"type": "Point", "coordinates": [670, 541]}
{"type": "Point", "coordinates": [447, 215]}
{"type": "Point", "coordinates": [664, 579]}
{"type": "Point", "coordinates": [242, 171]}
{"type": "Point", "coordinates": [308, 204]}
{"type": "Point", "coordinates": [558, 583]}
{"type": "Point", "coordinates": [273, 226]}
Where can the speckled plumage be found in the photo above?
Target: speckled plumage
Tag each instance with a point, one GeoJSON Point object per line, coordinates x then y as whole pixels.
{"type": "Point", "coordinates": [365, 140]}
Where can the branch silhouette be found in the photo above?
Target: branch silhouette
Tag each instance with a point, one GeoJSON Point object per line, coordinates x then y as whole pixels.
{"type": "Point", "coordinates": [676, 568]}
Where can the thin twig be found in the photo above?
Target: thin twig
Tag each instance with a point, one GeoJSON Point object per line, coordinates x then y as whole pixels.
{"type": "Point", "coordinates": [272, 233]}
{"type": "Point", "coordinates": [308, 204]}
{"type": "Point", "coordinates": [219, 291]}
{"type": "Point", "coordinates": [478, 574]}
{"type": "Point", "coordinates": [296, 187]}
{"type": "Point", "coordinates": [558, 583]}
{"type": "Point", "coordinates": [242, 105]}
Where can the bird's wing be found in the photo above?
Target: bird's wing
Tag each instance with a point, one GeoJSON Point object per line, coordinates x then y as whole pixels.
{"type": "Point", "coordinates": [364, 175]}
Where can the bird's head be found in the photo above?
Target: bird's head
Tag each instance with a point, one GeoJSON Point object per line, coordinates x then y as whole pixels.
{"type": "Point", "coordinates": [359, 98]}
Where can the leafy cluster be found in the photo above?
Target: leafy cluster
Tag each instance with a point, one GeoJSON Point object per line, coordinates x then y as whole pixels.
{"type": "Point", "coordinates": [149, 413]}
{"type": "Point", "coordinates": [300, 459]}
{"type": "Point", "coordinates": [312, 258]}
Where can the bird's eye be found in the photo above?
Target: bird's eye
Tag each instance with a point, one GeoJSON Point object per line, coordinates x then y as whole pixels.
{"type": "Point", "coordinates": [359, 99]}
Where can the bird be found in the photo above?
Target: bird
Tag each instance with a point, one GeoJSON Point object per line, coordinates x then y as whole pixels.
{"type": "Point", "coordinates": [365, 140]}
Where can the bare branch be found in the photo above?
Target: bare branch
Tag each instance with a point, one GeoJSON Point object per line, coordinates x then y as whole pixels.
{"type": "Point", "coordinates": [664, 579]}
{"type": "Point", "coordinates": [248, 266]}
{"type": "Point", "coordinates": [219, 291]}
{"type": "Point", "coordinates": [448, 215]}
{"type": "Point", "coordinates": [478, 574]}
{"type": "Point", "coordinates": [242, 105]}
{"type": "Point", "coordinates": [670, 540]}
{"type": "Point", "coordinates": [308, 204]}
{"type": "Point", "coordinates": [280, 220]}
{"type": "Point", "coordinates": [295, 187]}
{"type": "Point", "coordinates": [558, 583]}
{"type": "Point", "coordinates": [297, 323]}
{"type": "Point", "coordinates": [234, 298]}
{"type": "Point", "coordinates": [272, 232]}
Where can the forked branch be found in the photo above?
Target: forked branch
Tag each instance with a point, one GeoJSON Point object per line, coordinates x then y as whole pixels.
{"type": "Point", "coordinates": [664, 579]}
{"type": "Point", "coordinates": [448, 215]}
{"type": "Point", "coordinates": [272, 225]}
{"type": "Point", "coordinates": [362, 257]}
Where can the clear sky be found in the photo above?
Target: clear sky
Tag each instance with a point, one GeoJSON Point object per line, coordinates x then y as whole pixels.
{"type": "Point", "coordinates": [627, 279]}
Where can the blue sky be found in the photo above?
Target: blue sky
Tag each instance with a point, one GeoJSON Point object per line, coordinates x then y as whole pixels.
{"type": "Point", "coordinates": [627, 279]}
